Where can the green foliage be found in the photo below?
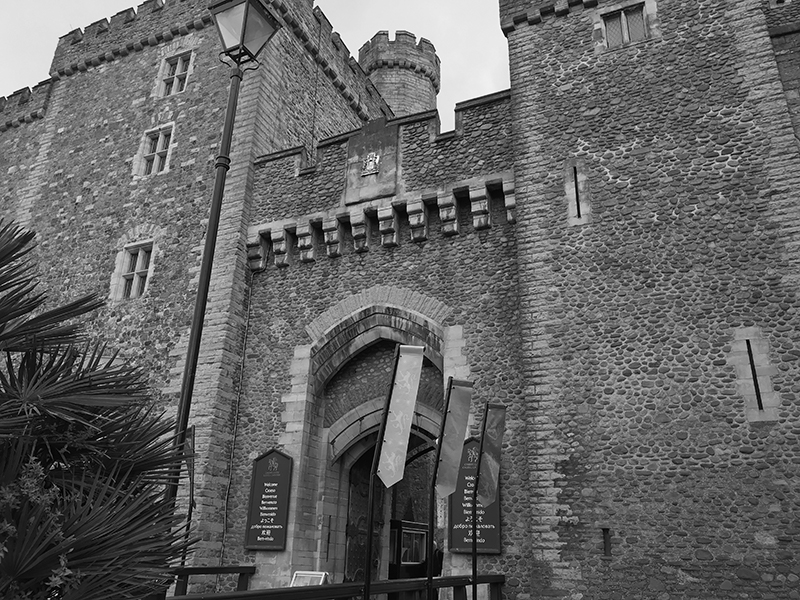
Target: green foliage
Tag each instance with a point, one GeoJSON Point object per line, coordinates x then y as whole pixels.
{"type": "Point", "coordinates": [83, 461]}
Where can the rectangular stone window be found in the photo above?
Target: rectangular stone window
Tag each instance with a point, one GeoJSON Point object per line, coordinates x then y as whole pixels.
{"type": "Point", "coordinates": [625, 26]}
{"type": "Point", "coordinates": [137, 266]}
{"type": "Point", "coordinates": [155, 154]}
{"type": "Point", "coordinates": [175, 73]}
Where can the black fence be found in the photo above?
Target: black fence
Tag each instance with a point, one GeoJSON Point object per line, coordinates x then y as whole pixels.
{"type": "Point", "coordinates": [400, 589]}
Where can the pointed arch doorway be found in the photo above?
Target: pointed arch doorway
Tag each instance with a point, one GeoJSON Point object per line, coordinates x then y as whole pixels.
{"type": "Point", "coordinates": [401, 514]}
{"type": "Point", "coordinates": [353, 435]}
{"type": "Point", "coordinates": [332, 415]}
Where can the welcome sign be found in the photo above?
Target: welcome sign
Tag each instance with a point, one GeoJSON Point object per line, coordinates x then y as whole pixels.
{"type": "Point", "coordinates": [268, 512]}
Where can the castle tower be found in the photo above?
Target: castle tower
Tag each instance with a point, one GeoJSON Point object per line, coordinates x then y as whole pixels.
{"type": "Point", "coordinates": [649, 167]}
{"type": "Point", "coordinates": [405, 72]}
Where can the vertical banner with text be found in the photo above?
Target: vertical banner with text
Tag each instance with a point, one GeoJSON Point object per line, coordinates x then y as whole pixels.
{"type": "Point", "coordinates": [453, 434]}
{"type": "Point", "coordinates": [494, 425]}
{"type": "Point", "coordinates": [402, 400]}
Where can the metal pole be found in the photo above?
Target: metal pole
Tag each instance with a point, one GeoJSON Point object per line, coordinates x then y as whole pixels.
{"type": "Point", "coordinates": [373, 470]}
{"type": "Point", "coordinates": [222, 165]}
{"type": "Point", "coordinates": [475, 508]}
{"type": "Point", "coordinates": [432, 500]}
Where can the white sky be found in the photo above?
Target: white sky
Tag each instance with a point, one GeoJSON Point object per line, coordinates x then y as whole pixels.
{"type": "Point", "coordinates": [466, 34]}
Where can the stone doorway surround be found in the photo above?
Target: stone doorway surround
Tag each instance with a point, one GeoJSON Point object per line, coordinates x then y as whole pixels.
{"type": "Point", "coordinates": [318, 508]}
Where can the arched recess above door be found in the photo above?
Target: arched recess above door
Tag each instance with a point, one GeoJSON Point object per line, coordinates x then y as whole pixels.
{"type": "Point", "coordinates": [380, 313]}
{"type": "Point", "coordinates": [364, 421]}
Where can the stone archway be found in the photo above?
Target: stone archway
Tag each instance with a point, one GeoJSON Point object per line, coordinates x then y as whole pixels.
{"type": "Point", "coordinates": [355, 327]}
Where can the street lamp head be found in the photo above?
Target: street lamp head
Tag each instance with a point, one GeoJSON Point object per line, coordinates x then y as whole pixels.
{"type": "Point", "coordinates": [244, 26]}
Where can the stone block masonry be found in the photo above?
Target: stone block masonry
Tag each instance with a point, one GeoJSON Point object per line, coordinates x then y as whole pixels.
{"type": "Point", "coordinates": [72, 172]}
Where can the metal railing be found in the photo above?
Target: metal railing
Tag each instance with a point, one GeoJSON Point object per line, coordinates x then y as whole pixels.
{"type": "Point", "coordinates": [345, 591]}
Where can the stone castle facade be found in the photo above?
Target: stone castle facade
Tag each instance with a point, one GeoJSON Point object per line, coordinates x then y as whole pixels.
{"type": "Point", "coordinates": [609, 249]}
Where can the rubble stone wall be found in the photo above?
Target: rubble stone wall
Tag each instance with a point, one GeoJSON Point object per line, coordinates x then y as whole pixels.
{"type": "Point", "coordinates": [652, 474]}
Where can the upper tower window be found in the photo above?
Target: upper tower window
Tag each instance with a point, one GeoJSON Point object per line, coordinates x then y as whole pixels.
{"type": "Point", "coordinates": [155, 151]}
{"type": "Point", "coordinates": [625, 26]}
{"type": "Point", "coordinates": [175, 73]}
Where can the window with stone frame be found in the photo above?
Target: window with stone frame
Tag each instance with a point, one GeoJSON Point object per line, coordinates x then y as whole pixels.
{"type": "Point", "coordinates": [155, 150]}
{"type": "Point", "coordinates": [175, 72]}
{"type": "Point", "coordinates": [134, 275]}
{"type": "Point", "coordinates": [625, 26]}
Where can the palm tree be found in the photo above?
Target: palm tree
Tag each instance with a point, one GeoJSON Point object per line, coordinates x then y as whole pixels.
{"type": "Point", "coordinates": [84, 460]}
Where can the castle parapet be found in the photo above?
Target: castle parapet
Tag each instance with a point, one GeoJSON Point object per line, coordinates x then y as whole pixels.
{"type": "Point", "coordinates": [516, 12]}
{"type": "Point", "coordinates": [159, 21]}
{"type": "Point", "coordinates": [406, 73]}
{"type": "Point", "coordinates": [24, 106]}
{"type": "Point", "coordinates": [153, 22]}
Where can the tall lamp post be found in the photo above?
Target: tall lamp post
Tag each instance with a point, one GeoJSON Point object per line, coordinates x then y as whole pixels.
{"type": "Point", "coordinates": [245, 27]}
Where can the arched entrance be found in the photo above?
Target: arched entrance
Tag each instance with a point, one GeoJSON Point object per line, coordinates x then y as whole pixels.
{"type": "Point", "coordinates": [401, 513]}
{"type": "Point", "coordinates": [332, 415]}
{"type": "Point", "coordinates": [354, 435]}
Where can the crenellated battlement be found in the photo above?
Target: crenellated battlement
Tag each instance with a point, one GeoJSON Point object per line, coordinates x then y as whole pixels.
{"type": "Point", "coordinates": [479, 118]}
{"type": "Point", "coordinates": [514, 13]}
{"type": "Point", "coordinates": [159, 21]}
{"type": "Point", "coordinates": [24, 106]}
{"type": "Point", "coordinates": [414, 168]}
{"type": "Point", "coordinates": [404, 53]}
{"type": "Point", "coordinates": [153, 22]}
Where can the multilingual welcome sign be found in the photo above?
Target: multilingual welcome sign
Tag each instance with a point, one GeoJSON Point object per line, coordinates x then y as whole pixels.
{"type": "Point", "coordinates": [268, 513]}
{"type": "Point", "coordinates": [487, 519]}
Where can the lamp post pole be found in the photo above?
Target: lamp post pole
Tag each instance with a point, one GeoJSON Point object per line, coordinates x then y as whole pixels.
{"type": "Point", "coordinates": [222, 165]}
{"type": "Point", "coordinates": [244, 27]}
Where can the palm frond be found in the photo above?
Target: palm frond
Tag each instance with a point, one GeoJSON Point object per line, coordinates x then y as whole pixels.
{"type": "Point", "coordinates": [20, 329]}
{"type": "Point", "coordinates": [83, 462]}
{"type": "Point", "coordinates": [67, 384]}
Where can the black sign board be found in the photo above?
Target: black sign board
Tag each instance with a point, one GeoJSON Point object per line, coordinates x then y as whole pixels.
{"type": "Point", "coordinates": [268, 513]}
{"type": "Point", "coordinates": [488, 519]}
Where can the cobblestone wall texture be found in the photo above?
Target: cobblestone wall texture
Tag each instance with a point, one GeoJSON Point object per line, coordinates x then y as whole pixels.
{"type": "Point", "coordinates": [787, 54]}
{"type": "Point", "coordinates": [643, 428]}
{"type": "Point", "coordinates": [474, 273]}
{"type": "Point", "coordinates": [636, 464]}
{"type": "Point", "coordinates": [427, 162]}
{"type": "Point", "coordinates": [785, 14]}
{"type": "Point", "coordinates": [483, 126]}
{"type": "Point", "coordinates": [367, 377]}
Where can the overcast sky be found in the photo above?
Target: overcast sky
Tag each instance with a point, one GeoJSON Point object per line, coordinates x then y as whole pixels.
{"type": "Point", "coordinates": [466, 34]}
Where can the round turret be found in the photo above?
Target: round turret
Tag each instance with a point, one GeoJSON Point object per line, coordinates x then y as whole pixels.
{"type": "Point", "coordinates": [406, 73]}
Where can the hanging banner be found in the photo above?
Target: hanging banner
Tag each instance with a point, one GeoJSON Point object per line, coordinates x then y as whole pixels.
{"type": "Point", "coordinates": [454, 431]}
{"type": "Point", "coordinates": [401, 411]}
{"type": "Point", "coordinates": [268, 513]}
{"type": "Point", "coordinates": [460, 521]}
{"type": "Point", "coordinates": [494, 425]}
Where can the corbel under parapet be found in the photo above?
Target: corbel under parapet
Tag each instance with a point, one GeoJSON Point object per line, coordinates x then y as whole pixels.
{"type": "Point", "coordinates": [305, 242]}
{"type": "Point", "coordinates": [389, 226]}
{"type": "Point", "coordinates": [479, 201]}
{"type": "Point", "coordinates": [360, 227]}
{"type": "Point", "coordinates": [332, 232]}
{"type": "Point", "coordinates": [280, 247]}
{"type": "Point", "coordinates": [418, 220]}
{"type": "Point", "coordinates": [448, 212]}
{"type": "Point", "coordinates": [257, 251]}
